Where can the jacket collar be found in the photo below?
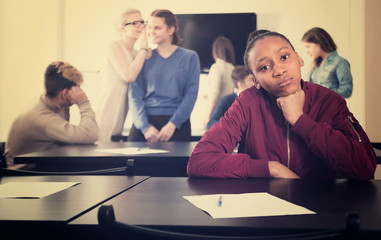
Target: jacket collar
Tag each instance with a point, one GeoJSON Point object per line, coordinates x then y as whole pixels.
{"type": "Point", "coordinates": [50, 104]}
{"type": "Point", "coordinates": [330, 57]}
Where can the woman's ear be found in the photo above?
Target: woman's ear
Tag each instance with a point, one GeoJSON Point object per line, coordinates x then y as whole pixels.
{"type": "Point", "coordinates": [171, 30]}
{"type": "Point", "coordinates": [256, 83]}
{"type": "Point", "coordinates": [301, 62]}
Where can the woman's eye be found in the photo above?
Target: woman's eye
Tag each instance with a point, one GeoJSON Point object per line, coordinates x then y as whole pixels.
{"type": "Point", "coordinates": [284, 57]}
{"type": "Point", "coordinates": [264, 68]}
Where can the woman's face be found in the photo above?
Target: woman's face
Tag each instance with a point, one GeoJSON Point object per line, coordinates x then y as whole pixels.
{"type": "Point", "coordinates": [313, 49]}
{"type": "Point", "coordinates": [276, 66]}
{"type": "Point", "coordinates": [158, 31]}
{"type": "Point", "coordinates": [134, 26]}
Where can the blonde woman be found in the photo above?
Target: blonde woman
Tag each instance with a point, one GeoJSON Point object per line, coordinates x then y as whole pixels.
{"type": "Point", "coordinates": [124, 63]}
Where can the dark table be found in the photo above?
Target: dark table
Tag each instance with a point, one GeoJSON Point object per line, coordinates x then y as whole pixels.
{"type": "Point", "coordinates": [158, 203]}
{"type": "Point", "coordinates": [85, 157]}
{"type": "Point", "coordinates": [47, 217]}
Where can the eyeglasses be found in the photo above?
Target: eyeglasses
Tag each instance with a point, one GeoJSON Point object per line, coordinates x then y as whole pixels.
{"type": "Point", "coordinates": [137, 23]}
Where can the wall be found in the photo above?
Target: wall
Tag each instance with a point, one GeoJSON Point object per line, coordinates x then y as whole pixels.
{"type": "Point", "coordinates": [33, 38]}
{"type": "Point", "coordinates": [29, 40]}
{"type": "Point", "coordinates": [291, 18]}
{"type": "Point", "coordinates": [372, 67]}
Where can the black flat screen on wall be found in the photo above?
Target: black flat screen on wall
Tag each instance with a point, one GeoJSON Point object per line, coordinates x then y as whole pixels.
{"type": "Point", "coordinates": [200, 30]}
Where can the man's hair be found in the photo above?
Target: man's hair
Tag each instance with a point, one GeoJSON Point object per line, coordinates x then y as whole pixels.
{"type": "Point", "coordinates": [59, 76]}
{"type": "Point", "coordinates": [239, 73]}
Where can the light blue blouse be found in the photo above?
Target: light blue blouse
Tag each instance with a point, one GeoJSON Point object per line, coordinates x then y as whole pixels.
{"type": "Point", "coordinates": [165, 86]}
{"type": "Point", "coordinates": [335, 74]}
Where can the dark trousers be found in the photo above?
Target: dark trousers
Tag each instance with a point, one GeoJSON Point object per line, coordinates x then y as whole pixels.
{"type": "Point", "coordinates": [180, 135]}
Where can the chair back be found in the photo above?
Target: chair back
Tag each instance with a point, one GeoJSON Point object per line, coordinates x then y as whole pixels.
{"type": "Point", "coordinates": [111, 229]}
{"type": "Point", "coordinates": [3, 161]}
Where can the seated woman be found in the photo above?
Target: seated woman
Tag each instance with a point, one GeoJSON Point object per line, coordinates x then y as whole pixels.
{"type": "Point", "coordinates": [285, 127]}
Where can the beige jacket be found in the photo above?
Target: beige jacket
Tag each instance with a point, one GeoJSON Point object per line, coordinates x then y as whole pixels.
{"type": "Point", "coordinates": [47, 126]}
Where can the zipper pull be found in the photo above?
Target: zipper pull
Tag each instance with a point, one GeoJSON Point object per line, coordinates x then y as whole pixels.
{"type": "Point", "coordinates": [353, 123]}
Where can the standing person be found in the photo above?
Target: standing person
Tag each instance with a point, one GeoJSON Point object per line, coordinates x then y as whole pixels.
{"type": "Point", "coordinates": [47, 124]}
{"type": "Point", "coordinates": [164, 94]}
{"type": "Point", "coordinates": [285, 127]}
{"type": "Point", "coordinates": [220, 74]}
{"type": "Point", "coordinates": [124, 63]}
{"type": "Point", "coordinates": [329, 69]}
{"type": "Point", "coordinates": [242, 80]}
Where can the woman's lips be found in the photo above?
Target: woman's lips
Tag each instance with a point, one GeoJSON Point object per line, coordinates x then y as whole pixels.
{"type": "Point", "coordinates": [284, 82]}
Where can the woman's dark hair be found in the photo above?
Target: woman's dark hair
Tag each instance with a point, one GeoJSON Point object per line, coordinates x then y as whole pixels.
{"type": "Point", "coordinates": [239, 73]}
{"type": "Point", "coordinates": [319, 36]}
{"type": "Point", "coordinates": [60, 76]}
{"type": "Point", "coordinates": [256, 33]}
{"type": "Point", "coordinates": [171, 21]}
{"type": "Point", "coordinates": [223, 48]}
{"type": "Point", "coordinates": [257, 37]}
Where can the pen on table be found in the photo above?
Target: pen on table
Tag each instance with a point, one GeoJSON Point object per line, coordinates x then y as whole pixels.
{"type": "Point", "coordinates": [220, 201]}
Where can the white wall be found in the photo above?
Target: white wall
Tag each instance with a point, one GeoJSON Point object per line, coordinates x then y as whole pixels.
{"type": "Point", "coordinates": [28, 42]}
{"type": "Point", "coordinates": [32, 38]}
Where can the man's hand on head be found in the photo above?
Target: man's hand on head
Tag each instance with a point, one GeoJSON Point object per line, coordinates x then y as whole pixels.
{"type": "Point", "coordinates": [76, 95]}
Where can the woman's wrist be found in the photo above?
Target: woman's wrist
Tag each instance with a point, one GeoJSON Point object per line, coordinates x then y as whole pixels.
{"type": "Point", "coordinates": [145, 49]}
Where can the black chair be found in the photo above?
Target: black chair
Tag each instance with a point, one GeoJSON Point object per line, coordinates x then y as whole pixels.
{"type": "Point", "coordinates": [376, 145]}
{"type": "Point", "coordinates": [119, 138]}
{"type": "Point", "coordinates": [111, 229]}
{"type": "Point", "coordinates": [3, 162]}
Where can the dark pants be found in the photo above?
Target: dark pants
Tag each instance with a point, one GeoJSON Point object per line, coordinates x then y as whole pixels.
{"type": "Point", "coordinates": [180, 135]}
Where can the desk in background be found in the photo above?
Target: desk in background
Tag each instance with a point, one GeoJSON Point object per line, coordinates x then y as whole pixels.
{"type": "Point", "coordinates": [86, 157]}
{"type": "Point", "coordinates": [47, 217]}
{"type": "Point", "coordinates": [159, 203]}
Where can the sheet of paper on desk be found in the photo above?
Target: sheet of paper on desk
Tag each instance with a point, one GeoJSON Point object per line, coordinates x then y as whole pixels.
{"type": "Point", "coordinates": [32, 189]}
{"type": "Point", "coordinates": [132, 150]}
{"type": "Point", "coordinates": [246, 205]}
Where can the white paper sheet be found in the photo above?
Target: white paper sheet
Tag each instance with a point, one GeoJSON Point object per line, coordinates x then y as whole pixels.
{"type": "Point", "coordinates": [245, 205]}
{"type": "Point", "coordinates": [32, 189]}
{"type": "Point", "coordinates": [132, 150]}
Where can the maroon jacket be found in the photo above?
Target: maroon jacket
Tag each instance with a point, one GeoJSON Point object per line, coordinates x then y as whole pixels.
{"type": "Point", "coordinates": [325, 142]}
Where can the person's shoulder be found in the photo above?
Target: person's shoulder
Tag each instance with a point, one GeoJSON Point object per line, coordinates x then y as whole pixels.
{"type": "Point", "coordinates": [114, 45]}
{"type": "Point", "coordinates": [336, 58]}
{"type": "Point", "coordinates": [251, 92]}
{"type": "Point", "coordinates": [320, 93]}
{"type": "Point", "coordinates": [187, 52]}
{"type": "Point", "coordinates": [228, 97]}
{"type": "Point", "coordinates": [28, 118]}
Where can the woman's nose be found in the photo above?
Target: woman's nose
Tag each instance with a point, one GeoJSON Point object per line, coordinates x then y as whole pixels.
{"type": "Point", "coordinates": [279, 69]}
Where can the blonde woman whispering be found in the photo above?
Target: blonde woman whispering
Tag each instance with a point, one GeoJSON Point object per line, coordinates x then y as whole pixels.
{"type": "Point", "coordinates": [124, 63]}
